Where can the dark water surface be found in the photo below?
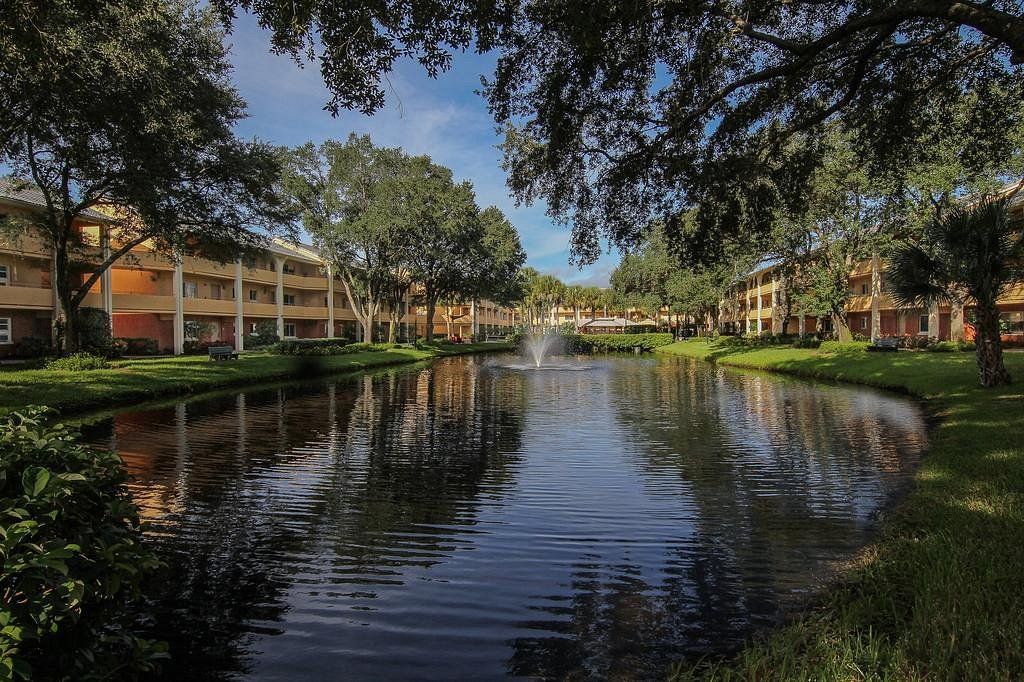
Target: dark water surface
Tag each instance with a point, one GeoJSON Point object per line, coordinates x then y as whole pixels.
{"type": "Point", "coordinates": [470, 521]}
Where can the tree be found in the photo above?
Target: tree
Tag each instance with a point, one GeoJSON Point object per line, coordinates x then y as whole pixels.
{"type": "Point", "coordinates": [140, 130]}
{"type": "Point", "coordinates": [575, 298]}
{"type": "Point", "coordinates": [445, 232]}
{"type": "Point", "coordinates": [497, 261]}
{"type": "Point", "coordinates": [642, 276]}
{"type": "Point", "coordinates": [548, 291]}
{"type": "Point", "coordinates": [354, 203]}
{"type": "Point", "coordinates": [967, 253]}
{"type": "Point", "coordinates": [623, 113]}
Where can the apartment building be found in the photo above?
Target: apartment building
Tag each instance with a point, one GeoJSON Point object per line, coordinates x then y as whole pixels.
{"type": "Point", "coordinates": [150, 295]}
{"type": "Point", "coordinates": [756, 304]}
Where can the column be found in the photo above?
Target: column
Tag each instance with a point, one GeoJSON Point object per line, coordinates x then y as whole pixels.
{"type": "Point", "coordinates": [239, 310]}
{"type": "Point", "coordinates": [956, 321]}
{"type": "Point", "coordinates": [106, 279]}
{"type": "Point", "coordinates": [330, 302]}
{"type": "Point", "coordinates": [178, 283]}
{"type": "Point", "coordinates": [802, 324]}
{"type": "Point", "coordinates": [279, 296]}
{"type": "Point", "coordinates": [876, 296]}
{"type": "Point", "coordinates": [760, 303]}
{"type": "Point", "coordinates": [933, 319]}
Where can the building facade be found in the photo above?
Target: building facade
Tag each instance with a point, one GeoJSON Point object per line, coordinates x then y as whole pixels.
{"type": "Point", "coordinates": [178, 302]}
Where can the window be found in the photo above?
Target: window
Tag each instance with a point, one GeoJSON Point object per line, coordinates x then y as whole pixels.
{"type": "Point", "coordinates": [289, 329]}
{"type": "Point", "coordinates": [5, 330]}
{"type": "Point", "coordinates": [864, 288]}
{"type": "Point", "coordinates": [3, 276]}
{"type": "Point", "coordinates": [826, 324]}
{"type": "Point", "coordinates": [288, 269]}
{"type": "Point", "coordinates": [252, 327]}
{"type": "Point", "coordinates": [924, 324]}
{"type": "Point", "coordinates": [191, 290]}
{"type": "Point", "coordinates": [289, 299]}
{"type": "Point", "coordinates": [252, 295]}
{"type": "Point", "coordinates": [216, 292]}
{"type": "Point", "coordinates": [1013, 322]}
{"type": "Point", "coordinates": [863, 323]}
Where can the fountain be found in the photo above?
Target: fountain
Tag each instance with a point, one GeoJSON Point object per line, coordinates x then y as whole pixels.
{"type": "Point", "coordinates": [541, 345]}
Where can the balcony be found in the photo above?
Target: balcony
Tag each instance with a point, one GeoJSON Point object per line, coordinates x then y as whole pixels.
{"type": "Point", "coordinates": [209, 306]}
{"type": "Point", "coordinates": [259, 309]}
{"type": "Point", "coordinates": [139, 303]}
{"type": "Point", "coordinates": [24, 246]}
{"type": "Point", "coordinates": [33, 297]}
{"type": "Point", "coordinates": [300, 282]}
{"type": "Point", "coordinates": [199, 266]}
{"type": "Point", "coordinates": [259, 275]}
{"type": "Point", "coordinates": [305, 312]}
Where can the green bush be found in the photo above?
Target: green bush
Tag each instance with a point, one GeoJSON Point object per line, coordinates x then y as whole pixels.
{"type": "Point", "coordinates": [78, 362]}
{"type": "Point", "coordinates": [265, 335]}
{"type": "Point", "coordinates": [966, 346]}
{"type": "Point", "coordinates": [94, 331]}
{"type": "Point", "coordinates": [806, 342]}
{"type": "Point", "coordinates": [32, 347]}
{"type": "Point", "coordinates": [311, 346]}
{"type": "Point", "coordinates": [615, 343]}
{"type": "Point", "coordinates": [73, 557]}
{"type": "Point", "coordinates": [847, 347]}
{"type": "Point", "coordinates": [943, 347]}
{"type": "Point", "coordinates": [136, 346]}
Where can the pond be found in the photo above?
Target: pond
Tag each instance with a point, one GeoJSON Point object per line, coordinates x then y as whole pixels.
{"type": "Point", "coordinates": [473, 520]}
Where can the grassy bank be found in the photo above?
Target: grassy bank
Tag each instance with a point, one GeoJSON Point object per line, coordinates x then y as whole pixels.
{"type": "Point", "coordinates": [941, 592]}
{"type": "Point", "coordinates": [130, 381]}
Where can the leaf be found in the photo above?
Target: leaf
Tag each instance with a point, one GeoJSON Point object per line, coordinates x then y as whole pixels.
{"type": "Point", "coordinates": [71, 477]}
{"type": "Point", "coordinates": [34, 480]}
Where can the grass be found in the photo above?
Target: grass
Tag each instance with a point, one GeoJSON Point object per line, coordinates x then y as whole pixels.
{"type": "Point", "coordinates": [131, 381]}
{"type": "Point", "coordinates": [940, 594]}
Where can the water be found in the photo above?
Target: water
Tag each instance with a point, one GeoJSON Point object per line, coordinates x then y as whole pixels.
{"type": "Point", "coordinates": [473, 521]}
{"type": "Point", "coordinates": [539, 346]}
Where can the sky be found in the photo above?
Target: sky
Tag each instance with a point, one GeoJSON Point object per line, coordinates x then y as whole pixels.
{"type": "Point", "coordinates": [443, 118]}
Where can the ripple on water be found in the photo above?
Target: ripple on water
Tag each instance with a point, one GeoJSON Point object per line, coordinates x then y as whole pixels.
{"type": "Point", "coordinates": [477, 519]}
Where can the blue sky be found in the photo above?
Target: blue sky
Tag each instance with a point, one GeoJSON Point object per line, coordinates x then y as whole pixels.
{"type": "Point", "coordinates": [441, 117]}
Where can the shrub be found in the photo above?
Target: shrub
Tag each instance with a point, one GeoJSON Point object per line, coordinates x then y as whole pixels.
{"type": "Point", "coordinates": [195, 347]}
{"type": "Point", "coordinates": [943, 347]}
{"type": "Point", "coordinates": [265, 335]}
{"type": "Point", "coordinates": [94, 331]}
{"type": "Point", "coordinates": [841, 347]}
{"type": "Point", "coordinates": [914, 342]}
{"type": "Point", "coordinates": [73, 557]}
{"type": "Point", "coordinates": [311, 346]}
{"type": "Point", "coordinates": [806, 342]}
{"type": "Point", "coordinates": [137, 346]}
{"type": "Point", "coordinates": [965, 346]}
{"type": "Point", "coordinates": [32, 347]}
{"type": "Point", "coordinates": [78, 362]}
{"type": "Point", "coordinates": [615, 343]}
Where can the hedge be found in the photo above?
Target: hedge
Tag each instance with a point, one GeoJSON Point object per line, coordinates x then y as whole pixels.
{"type": "Point", "coordinates": [612, 343]}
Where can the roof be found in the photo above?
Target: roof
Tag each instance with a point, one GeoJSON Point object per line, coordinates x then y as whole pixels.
{"type": "Point", "coordinates": [607, 322]}
{"type": "Point", "coordinates": [30, 196]}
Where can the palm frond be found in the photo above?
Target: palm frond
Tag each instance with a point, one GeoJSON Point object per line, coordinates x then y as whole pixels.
{"type": "Point", "coordinates": [915, 277]}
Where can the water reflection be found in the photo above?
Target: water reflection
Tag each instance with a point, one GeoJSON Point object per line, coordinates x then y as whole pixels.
{"type": "Point", "coordinates": [470, 520]}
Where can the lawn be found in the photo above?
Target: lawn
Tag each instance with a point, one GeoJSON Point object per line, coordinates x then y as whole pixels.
{"type": "Point", "coordinates": [940, 595]}
{"type": "Point", "coordinates": [130, 381]}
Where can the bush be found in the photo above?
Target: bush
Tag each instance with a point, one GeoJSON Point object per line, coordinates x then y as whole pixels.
{"type": "Point", "coordinates": [615, 343]}
{"type": "Point", "coordinates": [806, 342]}
{"type": "Point", "coordinates": [847, 347]}
{"type": "Point", "coordinates": [265, 335]}
{"type": "Point", "coordinates": [311, 346]}
{"type": "Point", "coordinates": [136, 346]}
{"type": "Point", "coordinates": [943, 347]}
{"type": "Point", "coordinates": [966, 346]}
{"type": "Point", "coordinates": [73, 557]}
{"type": "Point", "coordinates": [78, 362]}
{"type": "Point", "coordinates": [195, 347]}
{"type": "Point", "coordinates": [32, 347]}
{"type": "Point", "coordinates": [94, 332]}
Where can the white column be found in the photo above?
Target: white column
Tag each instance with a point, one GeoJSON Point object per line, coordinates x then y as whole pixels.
{"type": "Point", "coordinates": [876, 296]}
{"type": "Point", "coordinates": [933, 319]}
{"type": "Point", "coordinates": [106, 279]}
{"type": "Point", "coordinates": [330, 302]}
{"type": "Point", "coordinates": [239, 309]}
{"type": "Point", "coordinates": [179, 307]}
{"type": "Point", "coordinates": [757, 284]}
{"type": "Point", "coordinates": [279, 296]}
{"type": "Point", "coordinates": [956, 321]}
{"type": "Point", "coordinates": [802, 329]}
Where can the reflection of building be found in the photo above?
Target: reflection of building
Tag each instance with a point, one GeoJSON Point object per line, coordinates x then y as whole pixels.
{"type": "Point", "coordinates": [150, 296]}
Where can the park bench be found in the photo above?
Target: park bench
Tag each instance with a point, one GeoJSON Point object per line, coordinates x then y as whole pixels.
{"type": "Point", "coordinates": [885, 345]}
{"type": "Point", "coordinates": [222, 353]}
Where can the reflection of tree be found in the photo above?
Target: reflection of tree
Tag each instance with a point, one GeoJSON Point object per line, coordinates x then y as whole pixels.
{"type": "Point", "coordinates": [774, 480]}
{"type": "Point", "coordinates": [241, 491]}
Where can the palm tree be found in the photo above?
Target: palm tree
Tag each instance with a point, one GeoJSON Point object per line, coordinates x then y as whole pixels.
{"type": "Point", "coordinates": [576, 298]}
{"type": "Point", "coordinates": [970, 252]}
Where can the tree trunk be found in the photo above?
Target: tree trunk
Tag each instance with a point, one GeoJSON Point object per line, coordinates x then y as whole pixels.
{"type": "Point", "coordinates": [842, 328]}
{"type": "Point", "coordinates": [392, 327]}
{"type": "Point", "coordinates": [989, 347]}
{"type": "Point", "coordinates": [431, 309]}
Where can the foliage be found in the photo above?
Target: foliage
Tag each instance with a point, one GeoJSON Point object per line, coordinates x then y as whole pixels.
{"type": "Point", "coordinates": [73, 557]}
{"type": "Point", "coordinates": [31, 347]}
{"type": "Point", "coordinates": [162, 167]}
{"type": "Point", "coordinates": [136, 346]}
{"type": "Point", "coordinates": [497, 261]}
{"type": "Point", "coordinates": [78, 362]}
{"type": "Point", "coordinates": [312, 346]}
{"type": "Point", "coordinates": [94, 331]}
{"type": "Point", "coordinates": [266, 335]}
{"type": "Point", "coordinates": [616, 343]}
{"type": "Point", "coordinates": [806, 342]}
{"type": "Point", "coordinates": [968, 251]}
{"type": "Point", "coordinates": [198, 330]}
{"type": "Point", "coordinates": [842, 347]}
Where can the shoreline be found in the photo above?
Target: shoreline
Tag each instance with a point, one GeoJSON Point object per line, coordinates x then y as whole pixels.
{"type": "Point", "coordinates": [145, 380]}
{"type": "Point", "coordinates": [937, 592]}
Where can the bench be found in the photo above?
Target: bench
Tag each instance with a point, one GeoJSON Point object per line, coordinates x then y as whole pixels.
{"type": "Point", "coordinates": [883, 345]}
{"type": "Point", "coordinates": [222, 353]}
